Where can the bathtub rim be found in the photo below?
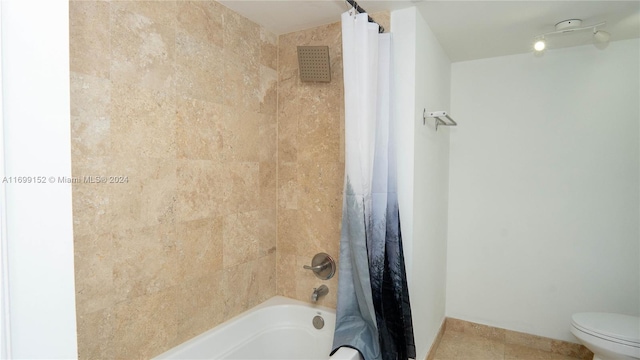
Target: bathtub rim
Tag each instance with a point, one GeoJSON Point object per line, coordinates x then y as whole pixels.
{"type": "Point", "coordinates": [275, 301]}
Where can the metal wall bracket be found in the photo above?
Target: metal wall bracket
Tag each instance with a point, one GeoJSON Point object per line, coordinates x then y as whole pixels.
{"type": "Point", "coordinates": [437, 115]}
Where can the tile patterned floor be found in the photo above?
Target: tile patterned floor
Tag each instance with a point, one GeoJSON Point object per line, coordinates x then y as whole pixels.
{"type": "Point", "coordinates": [464, 340]}
{"type": "Point", "coordinates": [458, 345]}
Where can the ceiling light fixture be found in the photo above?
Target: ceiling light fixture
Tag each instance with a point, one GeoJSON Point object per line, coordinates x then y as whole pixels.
{"type": "Point", "coordinates": [572, 25]}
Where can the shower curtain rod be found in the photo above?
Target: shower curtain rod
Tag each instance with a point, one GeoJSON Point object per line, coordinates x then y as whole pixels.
{"type": "Point", "coordinates": [361, 10]}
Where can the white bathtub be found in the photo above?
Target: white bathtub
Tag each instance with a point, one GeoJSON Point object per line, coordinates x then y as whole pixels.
{"type": "Point", "coordinates": [279, 328]}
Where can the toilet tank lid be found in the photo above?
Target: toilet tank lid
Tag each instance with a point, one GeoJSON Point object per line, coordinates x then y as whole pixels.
{"type": "Point", "coordinates": [623, 327]}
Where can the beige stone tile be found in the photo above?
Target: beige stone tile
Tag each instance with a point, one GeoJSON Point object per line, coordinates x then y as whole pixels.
{"type": "Point", "coordinates": [264, 275]}
{"type": "Point", "coordinates": [96, 334]}
{"type": "Point", "coordinates": [319, 139]}
{"type": "Point", "coordinates": [202, 20]}
{"type": "Point", "coordinates": [455, 325]}
{"type": "Point", "coordinates": [267, 228]}
{"type": "Point", "coordinates": [199, 245]}
{"type": "Point", "coordinates": [484, 331]}
{"type": "Point", "coordinates": [289, 231]}
{"type": "Point", "coordinates": [241, 81]}
{"type": "Point", "coordinates": [93, 273]}
{"type": "Point", "coordinates": [243, 181]}
{"type": "Point", "coordinates": [287, 138]}
{"type": "Point", "coordinates": [89, 37]}
{"type": "Point", "coordinates": [459, 345]}
{"type": "Point", "coordinates": [148, 197]}
{"type": "Point", "coordinates": [285, 274]}
{"type": "Point", "coordinates": [528, 340]}
{"type": "Point", "coordinates": [268, 94]}
{"type": "Point", "coordinates": [199, 70]}
{"type": "Point", "coordinates": [268, 190]}
{"type": "Point", "coordinates": [202, 188]}
{"type": "Point", "coordinates": [146, 261]}
{"type": "Point", "coordinates": [268, 49]}
{"type": "Point", "coordinates": [288, 186]}
{"type": "Point", "coordinates": [199, 130]}
{"type": "Point", "coordinates": [241, 242]}
{"type": "Point", "coordinates": [577, 351]}
{"type": "Point", "coordinates": [521, 352]}
{"type": "Point", "coordinates": [241, 36]}
{"type": "Point", "coordinates": [156, 11]}
{"type": "Point", "coordinates": [237, 283]}
{"type": "Point", "coordinates": [142, 122]}
{"type": "Point", "coordinates": [200, 305]}
{"type": "Point", "coordinates": [146, 326]}
{"type": "Point", "coordinates": [143, 43]}
{"type": "Point", "coordinates": [90, 201]}
{"type": "Point", "coordinates": [319, 232]}
{"type": "Point", "coordinates": [321, 185]}
{"type": "Point", "coordinates": [90, 115]}
{"type": "Point", "coordinates": [248, 136]}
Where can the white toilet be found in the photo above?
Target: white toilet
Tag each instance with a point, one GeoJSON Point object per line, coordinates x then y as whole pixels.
{"type": "Point", "coordinates": [608, 336]}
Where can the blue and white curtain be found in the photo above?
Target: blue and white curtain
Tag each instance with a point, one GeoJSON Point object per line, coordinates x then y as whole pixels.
{"type": "Point", "coordinates": [373, 312]}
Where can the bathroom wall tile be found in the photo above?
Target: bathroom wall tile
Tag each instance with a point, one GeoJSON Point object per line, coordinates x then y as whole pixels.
{"type": "Point", "coordinates": [156, 11]}
{"type": "Point", "coordinates": [202, 188]}
{"type": "Point", "coordinates": [285, 273]}
{"type": "Point", "coordinates": [237, 282]}
{"type": "Point", "coordinates": [199, 127]}
{"type": "Point", "coordinates": [202, 20]}
{"type": "Point", "coordinates": [268, 94]}
{"type": "Point", "coordinates": [289, 231]}
{"type": "Point", "coordinates": [288, 186]}
{"type": "Point", "coordinates": [199, 70]}
{"type": "Point", "coordinates": [90, 201]}
{"type": "Point", "coordinates": [200, 305]}
{"type": "Point", "coordinates": [90, 115]}
{"type": "Point", "coordinates": [241, 137]}
{"type": "Point", "coordinates": [146, 261]}
{"type": "Point", "coordinates": [89, 37]}
{"type": "Point", "coordinates": [241, 36]}
{"type": "Point", "coordinates": [146, 198]}
{"type": "Point", "coordinates": [199, 244]}
{"type": "Point", "coordinates": [146, 326]}
{"type": "Point", "coordinates": [268, 182]}
{"type": "Point", "coordinates": [93, 261]}
{"type": "Point", "coordinates": [266, 224]}
{"type": "Point", "coordinates": [241, 81]}
{"type": "Point", "coordinates": [96, 334]}
{"type": "Point", "coordinates": [142, 122]}
{"type": "Point", "coordinates": [243, 181]}
{"type": "Point", "coordinates": [143, 43]}
{"type": "Point", "coordinates": [321, 185]}
{"type": "Point", "coordinates": [264, 277]}
{"type": "Point", "coordinates": [528, 340]}
{"type": "Point", "coordinates": [319, 139]}
{"type": "Point", "coordinates": [241, 238]}
{"type": "Point", "coordinates": [268, 49]}
{"type": "Point", "coordinates": [319, 231]}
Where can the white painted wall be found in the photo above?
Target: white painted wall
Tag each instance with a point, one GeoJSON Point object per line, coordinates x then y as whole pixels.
{"type": "Point", "coordinates": [422, 81]}
{"type": "Point", "coordinates": [35, 90]}
{"type": "Point", "coordinates": [544, 188]}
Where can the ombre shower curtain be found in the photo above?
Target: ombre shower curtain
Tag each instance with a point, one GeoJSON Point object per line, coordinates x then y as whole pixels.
{"type": "Point", "coordinates": [373, 312]}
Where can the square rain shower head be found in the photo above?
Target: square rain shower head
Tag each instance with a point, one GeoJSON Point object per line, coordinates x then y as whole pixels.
{"type": "Point", "coordinates": [313, 62]}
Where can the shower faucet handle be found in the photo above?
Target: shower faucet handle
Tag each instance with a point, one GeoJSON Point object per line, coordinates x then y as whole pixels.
{"type": "Point", "coordinates": [323, 266]}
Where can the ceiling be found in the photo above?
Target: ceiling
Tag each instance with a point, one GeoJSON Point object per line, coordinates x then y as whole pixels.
{"type": "Point", "coordinates": [467, 30]}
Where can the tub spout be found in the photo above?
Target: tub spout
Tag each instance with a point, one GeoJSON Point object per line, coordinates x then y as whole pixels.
{"type": "Point", "coordinates": [317, 292]}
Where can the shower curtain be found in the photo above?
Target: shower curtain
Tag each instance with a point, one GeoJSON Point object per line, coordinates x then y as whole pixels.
{"type": "Point", "coordinates": [373, 311]}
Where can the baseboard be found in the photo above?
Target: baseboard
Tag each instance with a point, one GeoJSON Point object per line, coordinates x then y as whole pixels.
{"type": "Point", "coordinates": [434, 346]}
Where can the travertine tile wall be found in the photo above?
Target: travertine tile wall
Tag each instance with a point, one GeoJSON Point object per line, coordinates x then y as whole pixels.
{"type": "Point", "coordinates": [310, 162]}
{"type": "Point", "coordinates": [180, 98]}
